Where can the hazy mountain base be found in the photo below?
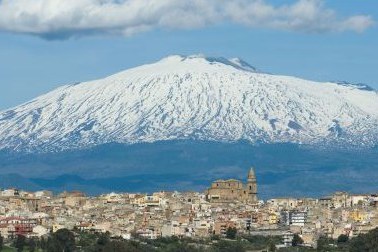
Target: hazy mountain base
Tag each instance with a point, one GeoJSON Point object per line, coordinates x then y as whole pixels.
{"type": "Point", "coordinates": [282, 169]}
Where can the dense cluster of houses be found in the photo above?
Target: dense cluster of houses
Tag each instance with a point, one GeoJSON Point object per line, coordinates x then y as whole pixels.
{"type": "Point", "coordinates": [189, 214]}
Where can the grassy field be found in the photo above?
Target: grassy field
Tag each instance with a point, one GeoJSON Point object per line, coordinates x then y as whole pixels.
{"type": "Point", "coordinates": [11, 249]}
{"type": "Point", "coordinates": [8, 249]}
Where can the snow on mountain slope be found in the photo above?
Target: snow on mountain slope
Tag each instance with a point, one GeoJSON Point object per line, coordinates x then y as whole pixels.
{"type": "Point", "coordinates": [193, 97]}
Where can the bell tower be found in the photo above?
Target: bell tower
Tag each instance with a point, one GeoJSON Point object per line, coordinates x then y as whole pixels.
{"type": "Point", "coordinates": [252, 186]}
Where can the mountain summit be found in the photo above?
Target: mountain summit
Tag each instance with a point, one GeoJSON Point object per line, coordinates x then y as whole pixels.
{"type": "Point", "coordinates": [193, 97]}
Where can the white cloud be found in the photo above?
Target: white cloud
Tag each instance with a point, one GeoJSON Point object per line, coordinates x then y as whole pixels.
{"type": "Point", "coordinates": [65, 18]}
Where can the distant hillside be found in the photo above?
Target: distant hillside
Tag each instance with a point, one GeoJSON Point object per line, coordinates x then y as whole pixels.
{"type": "Point", "coordinates": [282, 169]}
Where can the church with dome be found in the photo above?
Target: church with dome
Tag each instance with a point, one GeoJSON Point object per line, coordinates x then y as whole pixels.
{"type": "Point", "coordinates": [231, 190]}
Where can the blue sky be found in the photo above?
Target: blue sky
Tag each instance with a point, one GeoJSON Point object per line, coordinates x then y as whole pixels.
{"type": "Point", "coordinates": [37, 56]}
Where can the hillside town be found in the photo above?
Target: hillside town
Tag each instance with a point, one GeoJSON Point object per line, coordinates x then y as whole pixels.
{"type": "Point", "coordinates": [227, 204]}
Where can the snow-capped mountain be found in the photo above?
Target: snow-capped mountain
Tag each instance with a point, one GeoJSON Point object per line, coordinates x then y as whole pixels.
{"type": "Point", "coordinates": [193, 97]}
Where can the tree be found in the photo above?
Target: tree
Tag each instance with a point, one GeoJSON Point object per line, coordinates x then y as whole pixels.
{"type": "Point", "coordinates": [119, 246]}
{"type": "Point", "coordinates": [61, 240]}
{"type": "Point", "coordinates": [103, 239]}
{"type": "Point", "coordinates": [101, 242]}
{"type": "Point", "coordinates": [20, 243]}
{"type": "Point", "coordinates": [43, 243]}
{"type": "Point", "coordinates": [32, 245]}
{"type": "Point", "coordinates": [325, 243]}
{"type": "Point", "coordinates": [297, 240]}
{"type": "Point", "coordinates": [272, 247]}
{"type": "Point", "coordinates": [52, 245]}
{"type": "Point", "coordinates": [365, 242]}
{"type": "Point", "coordinates": [231, 233]}
{"type": "Point", "coordinates": [342, 238]}
{"type": "Point", "coordinates": [1, 242]}
{"type": "Point", "coordinates": [66, 239]}
{"type": "Point", "coordinates": [225, 246]}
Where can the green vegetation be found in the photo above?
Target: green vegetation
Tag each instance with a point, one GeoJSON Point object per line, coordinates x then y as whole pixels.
{"type": "Point", "coordinates": [231, 233]}
{"type": "Point", "coordinates": [365, 242]}
{"type": "Point", "coordinates": [68, 241]}
{"type": "Point", "coordinates": [259, 242]}
{"type": "Point", "coordinates": [20, 243]}
{"type": "Point", "coordinates": [8, 249]}
{"type": "Point", "coordinates": [61, 240]}
{"type": "Point", "coordinates": [342, 239]}
{"type": "Point", "coordinates": [297, 240]}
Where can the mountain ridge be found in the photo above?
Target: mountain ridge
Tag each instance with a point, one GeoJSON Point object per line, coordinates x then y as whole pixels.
{"type": "Point", "coordinates": [193, 97]}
